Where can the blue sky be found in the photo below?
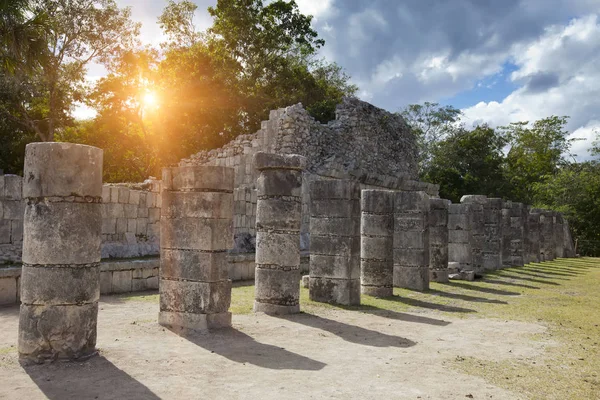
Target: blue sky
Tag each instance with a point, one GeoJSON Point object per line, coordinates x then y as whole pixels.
{"type": "Point", "coordinates": [499, 61]}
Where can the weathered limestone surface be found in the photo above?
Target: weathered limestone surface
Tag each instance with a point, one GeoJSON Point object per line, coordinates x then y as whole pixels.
{"type": "Point", "coordinates": [517, 232]}
{"type": "Point", "coordinates": [459, 236]}
{"type": "Point", "coordinates": [60, 282]}
{"type": "Point", "coordinates": [532, 240]}
{"type": "Point", "coordinates": [411, 240]}
{"type": "Point", "coordinates": [477, 231]}
{"type": "Point", "coordinates": [335, 242]}
{"type": "Point", "coordinates": [438, 240]}
{"type": "Point", "coordinates": [547, 245]}
{"type": "Point", "coordinates": [506, 233]}
{"type": "Point", "coordinates": [569, 248]}
{"type": "Point", "coordinates": [559, 235]}
{"type": "Point", "coordinates": [278, 218]}
{"type": "Point", "coordinates": [492, 246]}
{"type": "Point", "coordinates": [196, 232]}
{"type": "Point", "coordinates": [376, 243]}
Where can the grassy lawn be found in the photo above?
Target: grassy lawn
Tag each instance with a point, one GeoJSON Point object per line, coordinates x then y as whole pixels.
{"type": "Point", "coordinates": [562, 295]}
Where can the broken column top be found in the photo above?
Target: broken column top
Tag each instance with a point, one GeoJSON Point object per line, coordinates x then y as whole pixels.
{"type": "Point", "coordinates": [54, 170]}
{"type": "Point", "coordinates": [264, 160]}
{"type": "Point", "coordinates": [207, 177]}
{"type": "Point", "coordinates": [474, 198]}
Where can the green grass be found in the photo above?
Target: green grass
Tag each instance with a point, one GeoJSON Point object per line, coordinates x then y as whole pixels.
{"type": "Point", "coordinates": [562, 295]}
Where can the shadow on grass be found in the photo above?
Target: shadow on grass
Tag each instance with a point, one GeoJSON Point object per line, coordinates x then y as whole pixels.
{"type": "Point", "coordinates": [500, 282]}
{"type": "Point", "coordinates": [349, 333]}
{"type": "Point", "coordinates": [241, 348]}
{"type": "Point", "coordinates": [96, 378]}
{"type": "Point", "coordinates": [432, 306]}
{"type": "Point", "coordinates": [552, 270]}
{"type": "Point", "coordinates": [382, 312]}
{"type": "Point", "coordinates": [542, 274]}
{"type": "Point", "coordinates": [504, 274]}
{"type": "Point", "coordinates": [465, 297]}
{"type": "Point", "coordinates": [482, 289]}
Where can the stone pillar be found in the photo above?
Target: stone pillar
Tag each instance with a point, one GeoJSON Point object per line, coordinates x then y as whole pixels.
{"type": "Point", "coordinates": [569, 248]}
{"type": "Point", "coordinates": [335, 242]}
{"type": "Point", "coordinates": [477, 232]}
{"type": "Point", "coordinates": [506, 234]}
{"type": "Point", "coordinates": [547, 246]}
{"type": "Point", "coordinates": [411, 240]}
{"type": "Point", "coordinates": [492, 248]}
{"type": "Point", "coordinates": [516, 234]}
{"type": "Point", "coordinates": [376, 243]}
{"type": "Point", "coordinates": [559, 235]}
{"type": "Point", "coordinates": [532, 240]}
{"type": "Point", "coordinates": [459, 233]}
{"type": "Point", "coordinates": [438, 240]}
{"type": "Point", "coordinates": [60, 281]}
{"type": "Point", "coordinates": [196, 226]}
{"type": "Point", "coordinates": [278, 219]}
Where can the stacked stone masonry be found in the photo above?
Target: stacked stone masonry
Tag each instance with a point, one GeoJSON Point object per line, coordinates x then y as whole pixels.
{"type": "Point", "coordinates": [532, 240]}
{"type": "Point", "coordinates": [492, 245]}
{"type": "Point", "coordinates": [335, 242]}
{"type": "Point", "coordinates": [196, 232]}
{"type": "Point", "coordinates": [517, 234]}
{"type": "Point", "coordinates": [376, 242]}
{"type": "Point", "coordinates": [278, 219]}
{"type": "Point", "coordinates": [459, 236]}
{"type": "Point", "coordinates": [411, 240]}
{"type": "Point", "coordinates": [11, 218]}
{"type": "Point", "coordinates": [438, 240]}
{"type": "Point", "coordinates": [477, 229]}
{"type": "Point", "coordinates": [506, 233]}
{"type": "Point", "coordinates": [60, 283]}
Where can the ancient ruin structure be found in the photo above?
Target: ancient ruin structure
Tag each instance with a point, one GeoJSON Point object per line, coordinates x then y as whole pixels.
{"type": "Point", "coordinates": [411, 240]}
{"type": "Point", "coordinates": [61, 251]}
{"type": "Point", "coordinates": [559, 235]}
{"type": "Point", "coordinates": [376, 243]}
{"type": "Point", "coordinates": [335, 242]}
{"type": "Point", "coordinates": [438, 240]}
{"type": "Point", "coordinates": [278, 217]}
{"type": "Point", "coordinates": [547, 245]}
{"type": "Point", "coordinates": [492, 245]}
{"type": "Point", "coordinates": [476, 229]}
{"type": "Point", "coordinates": [459, 235]}
{"type": "Point", "coordinates": [517, 233]}
{"type": "Point", "coordinates": [532, 240]}
{"type": "Point", "coordinates": [507, 206]}
{"type": "Point", "coordinates": [196, 232]}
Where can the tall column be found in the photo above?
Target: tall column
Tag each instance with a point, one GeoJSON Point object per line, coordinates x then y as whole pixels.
{"type": "Point", "coordinates": [525, 225]}
{"type": "Point", "coordinates": [569, 249]}
{"type": "Point", "coordinates": [459, 233]}
{"type": "Point", "coordinates": [516, 234]}
{"type": "Point", "coordinates": [547, 246]}
{"type": "Point", "coordinates": [60, 281]}
{"type": "Point", "coordinates": [196, 231]}
{"type": "Point", "coordinates": [411, 240]}
{"type": "Point", "coordinates": [278, 219]}
{"type": "Point", "coordinates": [506, 234]}
{"type": "Point", "coordinates": [492, 248]}
{"type": "Point", "coordinates": [559, 235]}
{"type": "Point", "coordinates": [438, 240]}
{"type": "Point", "coordinates": [376, 243]}
{"type": "Point", "coordinates": [335, 242]}
{"type": "Point", "coordinates": [532, 240]}
{"type": "Point", "coordinates": [477, 233]}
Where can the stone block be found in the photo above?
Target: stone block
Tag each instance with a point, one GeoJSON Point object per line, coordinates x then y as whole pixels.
{"type": "Point", "coordinates": [105, 194]}
{"type": "Point", "coordinates": [5, 228]}
{"type": "Point", "coordinates": [459, 252]}
{"type": "Point", "coordinates": [268, 161]}
{"type": "Point", "coordinates": [183, 322]}
{"type": "Point", "coordinates": [141, 226]}
{"type": "Point", "coordinates": [334, 208]}
{"type": "Point", "coordinates": [55, 169]}
{"type": "Point", "coordinates": [334, 226]}
{"type": "Point", "coordinates": [334, 189]}
{"type": "Point", "coordinates": [56, 332]}
{"type": "Point", "coordinates": [277, 286]}
{"type": "Point", "coordinates": [13, 209]}
{"type": "Point", "coordinates": [415, 278]}
{"type": "Point", "coordinates": [109, 226]}
{"type": "Point", "coordinates": [114, 194]}
{"type": "Point", "coordinates": [124, 195]}
{"type": "Point", "coordinates": [132, 225]}
{"type": "Point", "coordinates": [195, 297]}
{"type": "Point", "coordinates": [410, 239]}
{"type": "Point", "coordinates": [437, 275]}
{"type": "Point", "coordinates": [60, 285]}
{"type": "Point", "coordinates": [458, 236]}
{"type": "Point", "coordinates": [376, 248]}
{"type": "Point", "coordinates": [134, 197]}
{"type": "Point", "coordinates": [377, 201]}
{"type": "Point", "coordinates": [121, 225]}
{"type": "Point", "coordinates": [458, 222]}
{"type": "Point", "coordinates": [281, 249]}
{"type": "Point", "coordinates": [410, 201]}
{"type": "Point", "coordinates": [197, 234]}
{"type": "Point", "coordinates": [335, 266]}
{"type": "Point", "coordinates": [8, 290]}
{"type": "Point", "coordinates": [335, 291]}
{"type": "Point", "coordinates": [121, 281]}
{"type": "Point", "coordinates": [278, 214]}
{"type": "Point", "coordinates": [197, 205]}
{"type": "Point", "coordinates": [411, 257]}
{"type": "Point", "coordinates": [194, 265]}
{"type": "Point", "coordinates": [154, 214]}
{"type": "Point", "coordinates": [142, 212]}
{"type": "Point", "coordinates": [130, 211]}
{"type": "Point", "coordinates": [279, 182]}
{"type": "Point", "coordinates": [377, 224]}
{"type": "Point", "coordinates": [76, 242]}
{"type": "Point", "coordinates": [13, 187]}
{"type": "Point", "coordinates": [345, 246]}
{"type": "Point", "coordinates": [138, 285]}
{"type": "Point", "coordinates": [106, 282]}
{"type": "Point", "coordinates": [215, 178]}
{"type": "Point", "coordinates": [409, 222]}
{"type": "Point", "coordinates": [152, 282]}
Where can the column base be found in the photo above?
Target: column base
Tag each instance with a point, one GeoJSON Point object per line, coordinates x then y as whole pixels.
{"type": "Point", "coordinates": [415, 278]}
{"type": "Point", "coordinates": [377, 291]}
{"type": "Point", "coordinates": [275, 309]}
{"type": "Point", "coordinates": [181, 321]}
{"type": "Point", "coordinates": [438, 275]}
{"type": "Point", "coordinates": [335, 291]}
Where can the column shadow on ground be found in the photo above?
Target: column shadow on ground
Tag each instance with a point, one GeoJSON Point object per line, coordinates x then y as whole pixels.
{"type": "Point", "coordinates": [542, 274]}
{"type": "Point", "coordinates": [500, 282]}
{"type": "Point", "coordinates": [464, 297]}
{"type": "Point", "coordinates": [349, 333]}
{"type": "Point", "coordinates": [399, 316]}
{"type": "Point", "coordinates": [241, 348]}
{"type": "Point", "coordinates": [482, 289]}
{"type": "Point", "coordinates": [504, 274]}
{"type": "Point", "coordinates": [96, 378]}
{"type": "Point", "coordinates": [550, 270]}
{"type": "Point", "coordinates": [432, 306]}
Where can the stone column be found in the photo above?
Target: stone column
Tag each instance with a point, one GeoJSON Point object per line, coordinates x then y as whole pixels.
{"type": "Point", "coordinates": [559, 235]}
{"type": "Point", "coordinates": [492, 248]}
{"type": "Point", "coordinates": [532, 240]}
{"type": "Point", "coordinates": [547, 246]}
{"type": "Point", "coordinates": [60, 281]}
{"type": "Point", "coordinates": [477, 233]}
{"type": "Point", "coordinates": [569, 249]}
{"type": "Point", "coordinates": [376, 243]}
{"type": "Point", "coordinates": [411, 240]}
{"type": "Point", "coordinates": [438, 240]}
{"type": "Point", "coordinates": [459, 232]}
{"type": "Point", "coordinates": [516, 234]}
{"type": "Point", "coordinates": [335, 242]}
{"type": "Point", "coordinates": [278, 219]}
{"type": "Point", "coordinates": [506, 234]}
{"type": "Point", "coordinates": [196, 231]}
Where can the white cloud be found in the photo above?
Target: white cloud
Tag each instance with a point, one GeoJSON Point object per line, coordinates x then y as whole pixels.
{"type": "Point", "coordinates": [316, 8]}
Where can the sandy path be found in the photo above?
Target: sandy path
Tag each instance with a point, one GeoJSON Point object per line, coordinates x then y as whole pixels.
{"type": "Point", "coordinates": [337, 354]}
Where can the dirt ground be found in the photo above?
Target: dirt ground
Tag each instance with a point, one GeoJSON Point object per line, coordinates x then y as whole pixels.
{"type": "Point", "coordinates": [335, 353]}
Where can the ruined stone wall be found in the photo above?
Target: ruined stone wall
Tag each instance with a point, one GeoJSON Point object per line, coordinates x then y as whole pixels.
{"type": "Point", "coordinates": [11, 218]}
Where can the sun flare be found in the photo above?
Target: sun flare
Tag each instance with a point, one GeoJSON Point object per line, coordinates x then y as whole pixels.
{"type": "Point", "coordinates": [150, 100]}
